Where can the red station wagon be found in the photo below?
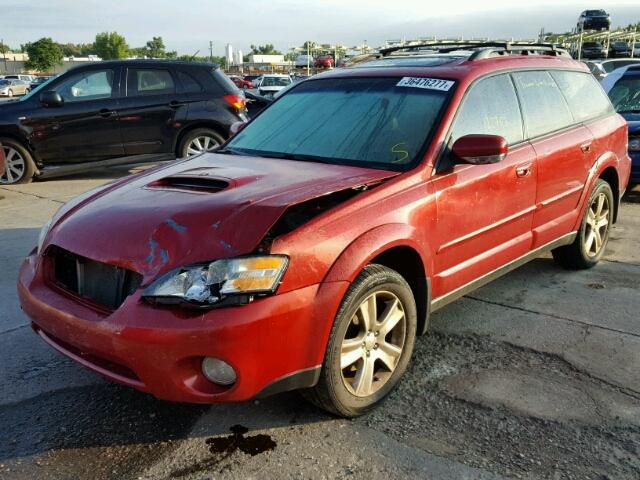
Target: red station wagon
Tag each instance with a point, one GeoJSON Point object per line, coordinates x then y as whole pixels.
{"type": "Point", "coordinates": [309, 251]}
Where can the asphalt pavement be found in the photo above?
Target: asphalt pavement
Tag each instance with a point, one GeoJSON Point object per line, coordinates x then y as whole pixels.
{"type": "Point", "coordinates": [534, 376]}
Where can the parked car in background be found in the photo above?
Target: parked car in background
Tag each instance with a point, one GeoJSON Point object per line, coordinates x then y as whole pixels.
{"type": "Point", "coordinates": [325, 61]}
{"type": "Point", "coordinates": [256, 102]}
{"type": "Point", "coordinates": [9, 88]}
{"type": "Point", "coordinates": [593, 20]}
{"type": "Point", "coordinates": [36, 82]}
{"type": "Point", "coordinates": [619, 49]}
{"type": "Point", "coordinates": [602, 68]}
{"type": "Point", "coordinates": [304, 60]}
{"type": "Point", "coordinates": [625, 96]}
{"type": "Point", "coordinates": [593, 50]}
{"type": "Point", "coordinates": [309, 251]}
{"type": "Point", "coordinates": [241, 82]}
{"type": "Point", "coordinates": [114, 109]}
{"type": "Point", "coordinates": [269, 84]}
{"type": "Point", "coordinates": [251, 78]}
{"type": "Point", "coordinates": [26, 78]}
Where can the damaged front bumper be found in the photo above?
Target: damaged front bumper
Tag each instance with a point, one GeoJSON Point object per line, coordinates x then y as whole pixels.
{"type": "Point", "coordinates": [274, 344]}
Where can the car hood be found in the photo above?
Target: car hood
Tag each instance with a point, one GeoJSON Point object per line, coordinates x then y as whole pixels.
{"type": "Point", "coordinates": [271, 88]}
{"type": "Point", "coordinates": [209, 207]}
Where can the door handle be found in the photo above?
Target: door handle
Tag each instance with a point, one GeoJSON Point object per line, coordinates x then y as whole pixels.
{"type": "Point", "coordinates": [585, 147]}
{"type": "Point", "coordinates": [176, 104]}
{"type": "Point", "coordinates": [523, 170]}
{"type": "Point", "coordinates": [106, 113]}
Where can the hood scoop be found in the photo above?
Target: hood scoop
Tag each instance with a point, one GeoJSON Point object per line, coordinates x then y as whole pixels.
{"type": "Point", "coordinates": [191, 184]}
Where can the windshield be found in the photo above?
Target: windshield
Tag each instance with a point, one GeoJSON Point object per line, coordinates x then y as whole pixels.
{"type": "Point", "coordinates": [374, 122]}
{"type": "Point", "coordinates": [41, 87]}
{"type": "Point", "coordinates": [625, 95]}
{"type": "Point", "coordinates": [275, 82]}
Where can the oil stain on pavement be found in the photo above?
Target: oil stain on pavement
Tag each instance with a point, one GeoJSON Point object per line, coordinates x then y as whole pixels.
{"type": "Point", "coordinates": [223, 447]}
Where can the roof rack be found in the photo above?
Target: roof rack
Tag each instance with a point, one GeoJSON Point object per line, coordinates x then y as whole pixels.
{"type": "Point", "coordinates": [482, 49]}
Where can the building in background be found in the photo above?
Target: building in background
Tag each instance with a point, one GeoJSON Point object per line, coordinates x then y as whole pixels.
{"type": "Point", "coordinates": [239, 58]}
{"type": "Point", "coordinates": [228, 50]}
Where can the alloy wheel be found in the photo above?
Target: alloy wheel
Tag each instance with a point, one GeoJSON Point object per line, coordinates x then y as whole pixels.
{"type": "Point", "coordinates": [373, 343]}
{"type": "Point", "coordinates": [15, 166]}
{"type": "Point", "coordinates": [202, 144]}
{"type": "Point", "coordinates": [10, 93]}
{"type": "Point", "coordinates": [597, 226]}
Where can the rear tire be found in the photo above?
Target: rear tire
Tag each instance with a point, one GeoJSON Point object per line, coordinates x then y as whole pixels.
{"type": "Point", "coordinates": [199, 141]}
{"type": "Point", "coordinates": [20, 166]}
{"type": "Point", "coordinates": [591, 241]}
{"type": "Point", "coordinates": [370, 344]}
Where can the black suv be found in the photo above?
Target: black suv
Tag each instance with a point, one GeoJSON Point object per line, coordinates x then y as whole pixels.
{"type": "Point", "coordinates": [593, 20]}
{"type": "Point", "coordinates": [111, 112]}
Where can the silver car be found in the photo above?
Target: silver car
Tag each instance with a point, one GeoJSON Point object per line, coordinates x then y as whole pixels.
{"type": "Point", "coordinates": [9, 88]}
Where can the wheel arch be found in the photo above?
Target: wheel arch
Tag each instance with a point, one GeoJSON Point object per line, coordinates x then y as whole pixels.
{"type": "Point", "coordinates": [395, 246]}
{"type": "Point", "coordinates": [610, 175]}
{"type": "Point", "coordinates": [213, 125]}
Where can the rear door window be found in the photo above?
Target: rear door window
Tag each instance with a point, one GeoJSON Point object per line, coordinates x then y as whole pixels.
{"type": "Point", "coordinates": [584, 94]}
{"type": "Point", "coordinates": [147, 81]}
{"type": "Point", "coordinates": [490, 108]}
{"type": "Point", "coordinates": [543, 106]}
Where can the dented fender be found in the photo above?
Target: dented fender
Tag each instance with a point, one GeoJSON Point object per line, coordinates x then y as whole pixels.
{"type": "Point", "coordinates": [375, 242]}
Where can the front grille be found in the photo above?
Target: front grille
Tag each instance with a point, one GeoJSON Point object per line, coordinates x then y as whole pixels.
{"type": "Point", "coordinates": [98, 282]}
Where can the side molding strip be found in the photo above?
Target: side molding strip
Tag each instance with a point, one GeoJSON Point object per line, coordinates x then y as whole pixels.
{"type": "Point", "coordinates": [438, 303]}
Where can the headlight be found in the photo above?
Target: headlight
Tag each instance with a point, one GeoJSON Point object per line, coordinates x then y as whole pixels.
{"type": "Point", "coordinates": [43, 234]}
{"type": "Point", "coordinates": [634, 144]}
{"type": "Point", "coordinates": [211, 283]}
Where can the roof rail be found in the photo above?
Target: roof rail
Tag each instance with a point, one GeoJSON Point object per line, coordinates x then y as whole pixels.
{"type": "Point", "coordinates": [482, 49]}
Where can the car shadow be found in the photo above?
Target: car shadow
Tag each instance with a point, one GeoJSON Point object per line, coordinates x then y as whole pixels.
{"type": "Point", "coordinates": [632, 195]}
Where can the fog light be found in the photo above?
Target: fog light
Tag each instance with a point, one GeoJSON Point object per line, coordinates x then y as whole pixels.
{"type": "Point", "coordinates": [218, 371]}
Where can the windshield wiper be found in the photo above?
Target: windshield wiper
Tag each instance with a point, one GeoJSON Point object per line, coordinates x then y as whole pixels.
{"type": "Point", "coordinates": [635, 110]}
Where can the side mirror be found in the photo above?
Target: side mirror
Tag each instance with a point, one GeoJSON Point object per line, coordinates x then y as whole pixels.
{"type": "Point", "coordinates": [51, 99]}
{"type": "Point", "coordinates": [235, 128]}
{"type": "Point", "coordinates": [480, 149]}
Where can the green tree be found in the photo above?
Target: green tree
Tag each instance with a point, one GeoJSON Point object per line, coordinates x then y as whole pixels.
{"type": "Point", "coordinates": [267, 49]}
{"type": "Point", "coordinates": [155, 48]}
{"type": "Point", "coordinates": [4, 48]}
{"type": "Point", "coordinates": [71, 50]}
{"type": "Point", "coordinates": [111, 45]}
{"type": "Point", "coordinates": [43, 55]}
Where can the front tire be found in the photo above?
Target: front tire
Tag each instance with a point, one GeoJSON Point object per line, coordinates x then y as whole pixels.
{"type": "Point", "coordinates": [20, 167]}
{"type": "Point", "coordinates": [370, 344]}
{"type": "Point", "coordinates": [199, 141]}
{"type": "Point", "coordinates": [10, 93]}
{"type": "Point", "coordinates": [591, 241]}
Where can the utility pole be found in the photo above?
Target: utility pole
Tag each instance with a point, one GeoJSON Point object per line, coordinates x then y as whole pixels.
{"type": "Point", "coordinates": [211, 51]}
{"type": "Point", "coordinates": [308, 59]}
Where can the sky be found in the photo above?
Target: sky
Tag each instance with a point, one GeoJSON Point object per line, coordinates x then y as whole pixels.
{"type": "Point", "coordinates": [188, 26]}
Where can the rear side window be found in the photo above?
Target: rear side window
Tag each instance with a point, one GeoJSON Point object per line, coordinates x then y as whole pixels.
{"type": "Point", "coordinates": [145, 81]}
{"type": "Point", "coordinates": [188, 83]}
{"type": "Point", "coordinates": [584, 95]}
{"type": "Point", "coordinates": [543, 105]}
{"type": "Point", "coordinates": [224, 81]}
{"type": "Point", "coordinates": [490, 108]}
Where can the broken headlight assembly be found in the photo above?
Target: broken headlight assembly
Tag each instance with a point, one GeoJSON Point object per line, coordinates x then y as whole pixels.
{"type": "Point", "coordinates": [225, 282]}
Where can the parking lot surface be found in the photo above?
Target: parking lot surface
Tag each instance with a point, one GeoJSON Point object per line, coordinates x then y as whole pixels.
{"type": "Point", "coordinates": [534, 376]}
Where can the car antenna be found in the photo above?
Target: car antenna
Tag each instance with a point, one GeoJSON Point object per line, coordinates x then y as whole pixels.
{"type": "Point", "coordinates": [193, 57]}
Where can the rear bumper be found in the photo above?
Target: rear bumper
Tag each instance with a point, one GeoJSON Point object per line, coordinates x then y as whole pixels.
{"type": "Point", "coordinates": [274, 343]}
